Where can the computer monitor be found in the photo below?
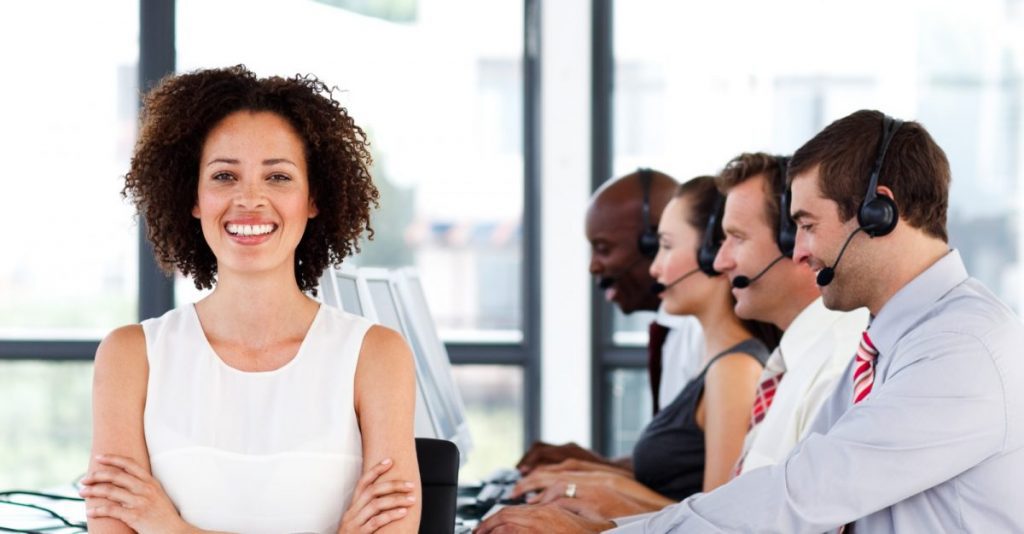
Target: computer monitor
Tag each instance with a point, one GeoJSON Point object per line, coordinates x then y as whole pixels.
{"type": "Point", "coordinates": [424, 329]}
{"type": "Point", "coordinates": [342, 288]}
{"type": "Point", "coordinates": [345, 289]}
{"type": "Point", "coordinates": [390, 314]}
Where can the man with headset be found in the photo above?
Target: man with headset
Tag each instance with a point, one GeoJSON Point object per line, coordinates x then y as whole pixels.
{"type": "Point", "coordinates": [924, 432]}
{"type": "Point", "coordinates": [621, 226]}
{"type": "Point", "coordinates": [817, 343]}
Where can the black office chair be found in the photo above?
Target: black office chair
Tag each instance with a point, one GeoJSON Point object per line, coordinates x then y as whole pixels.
{"type": "Point", "coordinates": [439, 475]}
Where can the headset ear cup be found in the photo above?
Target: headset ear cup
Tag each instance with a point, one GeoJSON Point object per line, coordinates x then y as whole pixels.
{"type": "Point", "coordinates": [706, 257]}
{"type": "Point", "coordinates": [648, 243]}
{"type": "Point", "coordinates": [786, 238]}
{"type": "Point", "coordinates": [878, 216]}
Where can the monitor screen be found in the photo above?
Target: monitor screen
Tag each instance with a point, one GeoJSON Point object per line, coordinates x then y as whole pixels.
{"type": "Point", "coordinates": [424, 330]}
{"type": "Point", "coordinates": [390, 315]}
{"type": "Point", "coordinates": [348, 290]}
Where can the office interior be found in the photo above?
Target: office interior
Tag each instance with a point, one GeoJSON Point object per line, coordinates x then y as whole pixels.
{"type": "Point", "coordinates": [491, 124]}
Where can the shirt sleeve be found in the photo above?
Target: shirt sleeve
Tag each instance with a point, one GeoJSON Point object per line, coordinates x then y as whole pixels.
{"type": "Point", "coordinates": [940, 411]}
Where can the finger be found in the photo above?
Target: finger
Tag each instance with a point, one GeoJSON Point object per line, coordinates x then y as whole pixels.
{"type": "Point", "coordinates": [384, 518]}
{"type": "Point", "coordinates": [373, 474]}
{"type": "Point", "coordinates": [553, 493]}
{"type": "Point", "coordinates": [129, 465]}
{"type": "Point", "coordinates": [113, 511]}
{"type": "Point", "coordinates": [506, 518]}
{"type": "Point", "coordinates": [576, 506]}
{"type": "Point", "coordinates": [116, 477]}
{"type": "Point", "coordinates": [111, 493]}
{"type": "Point", "coordinates": [383, 504]}
{"type": "Point", "coordinates": [379, 489]}
{"type": "Point", "coordinates": [534, 482]}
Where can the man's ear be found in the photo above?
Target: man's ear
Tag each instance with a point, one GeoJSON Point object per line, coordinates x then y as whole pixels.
{"type": "Point", "coordinates": [884, 191]}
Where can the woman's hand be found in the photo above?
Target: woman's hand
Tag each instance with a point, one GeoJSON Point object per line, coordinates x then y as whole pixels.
{"type": "Point", "coordinates": [135, 497]}
{"type": "Point", "coordinates": [375, 504]}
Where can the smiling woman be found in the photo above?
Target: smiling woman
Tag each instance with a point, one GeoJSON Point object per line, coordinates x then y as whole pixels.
{"type": "Point", "coordinates": [255, 398]}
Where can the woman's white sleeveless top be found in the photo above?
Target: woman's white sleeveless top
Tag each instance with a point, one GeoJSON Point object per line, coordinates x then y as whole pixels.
{"type": "Point", "coordinates": [276, 451]}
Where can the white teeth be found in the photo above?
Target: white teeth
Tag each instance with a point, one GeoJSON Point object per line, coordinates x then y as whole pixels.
{"type": "Point", "coordinates": [250, 229]}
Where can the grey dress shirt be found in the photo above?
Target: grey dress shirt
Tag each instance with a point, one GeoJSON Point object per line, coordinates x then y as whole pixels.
{"type": "Point", "coordinates": [938, 445]}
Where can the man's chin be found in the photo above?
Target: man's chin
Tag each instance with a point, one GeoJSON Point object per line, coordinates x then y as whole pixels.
{"type": "Point", "coordinates": [831, 299]}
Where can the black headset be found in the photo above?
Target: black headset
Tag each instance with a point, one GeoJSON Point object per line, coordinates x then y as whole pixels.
{"type": "Point", "coordinates": [878, 214]}
{"type": "Point", "coordinates": [712, 240]}
{"type": "Point", "coordinates": [786, 238]}
{"type": "Point", "coordinates": [647, 242]}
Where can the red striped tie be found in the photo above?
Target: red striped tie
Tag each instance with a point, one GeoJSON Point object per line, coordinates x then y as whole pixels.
{"type": "Point", "coordinates": [864, 374]}
{"type": "Point", "coordinates": [774, 369]}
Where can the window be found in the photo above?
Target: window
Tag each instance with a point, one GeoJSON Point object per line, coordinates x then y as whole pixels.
{"type": "Point", "coordinates": [68, 270]}
{"type": "Point", "coordinates": [69, 267]}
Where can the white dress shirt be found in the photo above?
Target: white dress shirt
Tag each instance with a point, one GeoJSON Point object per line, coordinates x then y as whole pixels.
{"type": "Point", "coordinates": [816, 348]}
{"type": "Point", "coordinates": [937, 446]}
{"type": "Point", "coordinates": [680, 355]}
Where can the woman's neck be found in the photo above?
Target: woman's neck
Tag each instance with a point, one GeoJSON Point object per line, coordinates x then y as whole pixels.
{"type": "Point", "coordinates": [256, 309]}
{"type": "Point", "coordinates": [722, 328]}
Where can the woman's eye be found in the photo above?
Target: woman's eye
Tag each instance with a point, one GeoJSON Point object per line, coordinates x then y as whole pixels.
{"type": "Point", "coordinates": [279, 178]}
{"type": "Point", "coordinates": [222, 176]}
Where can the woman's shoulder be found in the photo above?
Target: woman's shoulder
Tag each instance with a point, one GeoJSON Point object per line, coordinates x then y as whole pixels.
{"type": "Point", "coordinates": [122, 351]}
{"type": "Point", "coordinates": [741, 357]}
{"type": "Point", "coordinates": [384, 342]}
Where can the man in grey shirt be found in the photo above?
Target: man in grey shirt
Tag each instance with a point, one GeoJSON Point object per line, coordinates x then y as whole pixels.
{"type": "Point", "coordinates": [925, 432]}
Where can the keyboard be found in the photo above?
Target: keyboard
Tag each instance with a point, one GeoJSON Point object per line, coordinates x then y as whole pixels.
{"type": "Point", "coordinates": [476, 502]}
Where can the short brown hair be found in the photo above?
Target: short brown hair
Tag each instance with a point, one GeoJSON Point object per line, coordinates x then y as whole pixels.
{"type": "Point", "coordinates": [915, 168]}
{"type": "Point", "coordinates": [751, 164]}
{"type": "Point", "coordinates": [177, 117]}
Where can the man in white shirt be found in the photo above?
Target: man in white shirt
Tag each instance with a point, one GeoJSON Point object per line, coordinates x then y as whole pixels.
{"type": "Point", "coordinates": [621, 226]}
{"type": "Point", "coordinates": [769, 286]}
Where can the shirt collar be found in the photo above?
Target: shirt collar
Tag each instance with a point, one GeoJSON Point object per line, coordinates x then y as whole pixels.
{"type": "Point", "coordinates": [806, 329]}
{"type": "Point", "coordinates": [915, 299]}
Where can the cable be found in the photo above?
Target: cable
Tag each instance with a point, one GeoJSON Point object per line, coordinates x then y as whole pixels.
{"type": "Point", "coordinates": [5, 499]}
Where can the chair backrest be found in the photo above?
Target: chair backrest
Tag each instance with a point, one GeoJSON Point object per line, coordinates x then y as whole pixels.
{"type": "Point", "coordinates": [439, 476]}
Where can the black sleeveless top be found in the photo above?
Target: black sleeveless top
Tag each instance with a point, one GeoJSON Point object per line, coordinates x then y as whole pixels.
{"type": "Point", "coordinates": [669, 456]}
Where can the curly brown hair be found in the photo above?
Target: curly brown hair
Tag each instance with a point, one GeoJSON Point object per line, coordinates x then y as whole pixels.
{"type": "Point", "coordinates": [178, 115]}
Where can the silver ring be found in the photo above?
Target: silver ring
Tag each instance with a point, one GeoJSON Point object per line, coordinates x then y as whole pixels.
{"type": "Point", "coordinates": [570, 490]}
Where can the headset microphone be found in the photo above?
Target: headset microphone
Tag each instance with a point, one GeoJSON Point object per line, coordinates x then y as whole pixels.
{"type": "Point", "coordinates": [826, 275]}
{"type": "Point", "coordinates": [658, 287]}
{"type": "Point", "coordinates": [741, 281]}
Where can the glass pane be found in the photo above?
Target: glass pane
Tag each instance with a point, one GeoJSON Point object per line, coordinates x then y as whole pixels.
{"type": "Point", "coordinates": [629, 409]}
{"type": "Point", "coordinates": [442, 103]}
{"type": "Point", "coordinates": [686, 108]}
{"type": "Point", "coordinates": [631, 330]}
{"type": "Point", "coordinates": [45, 423]}
{"type": "Point", "coordinates": [493, 395]}
{"type": "Point", "coordinates": [69, 105]}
